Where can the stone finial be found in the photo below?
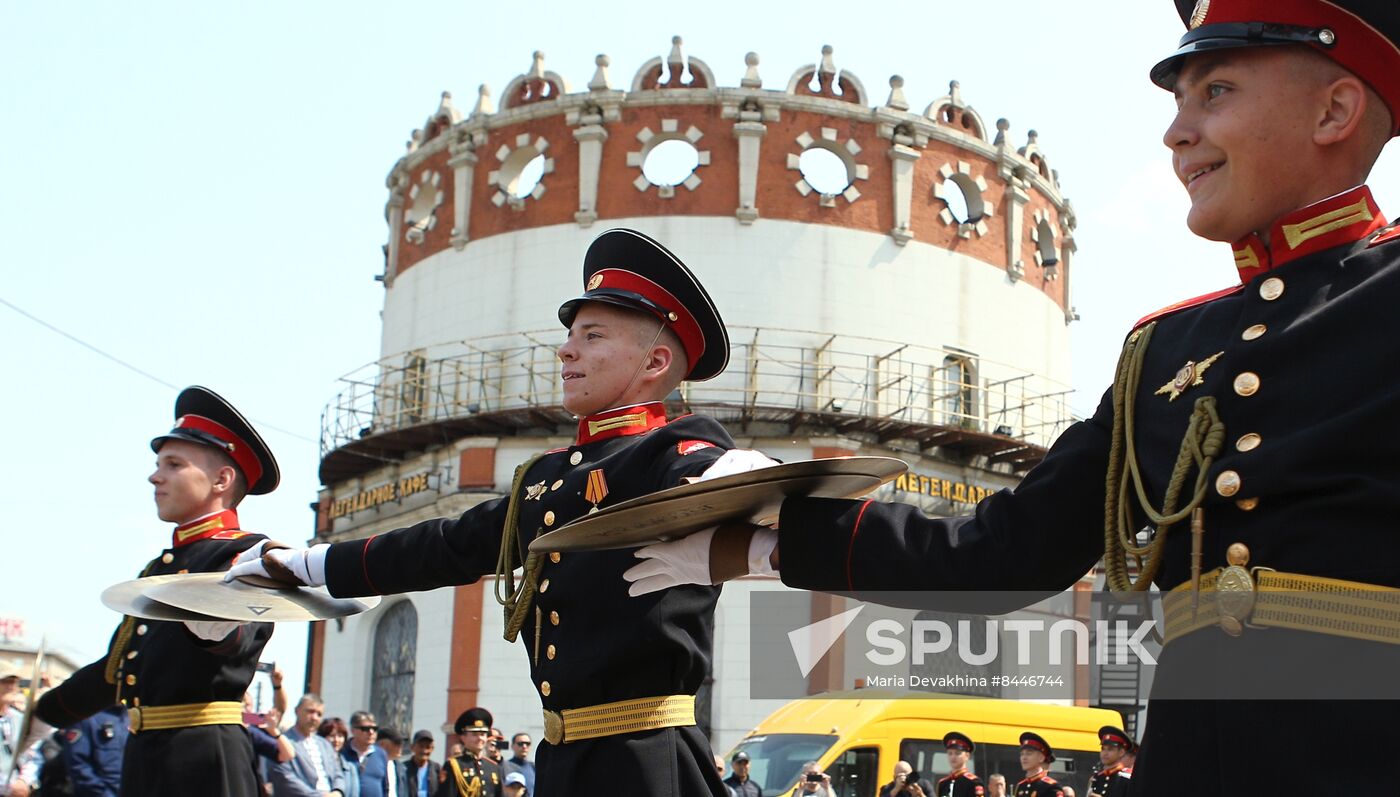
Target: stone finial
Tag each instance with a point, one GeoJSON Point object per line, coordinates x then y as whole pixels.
{"type": "Point", "coordinates": [484, 105]}
{"type": "Point", "coordinates": [897, 100]}
{"type": "Point", "coordinates": [676, 57]}
{"type": "Point", "coordinates": [1002, 127]}
{"type": "Point", "coordinates": [415, 140]}
{"type": "Point", "coordinates": [537, 66]}
{"type": "Point", "coordinates": [1031, 137]}
{"type": "Point", "coordinates": [600, 75]}
{"type": "Point", "coordinates": [955, 92]}
{"type": "Point", "coordinates": [828, 66]}
{"type": "Point", "coordinates": [447, 109]}
{"type": "Point", "coordinates": [751, 79]}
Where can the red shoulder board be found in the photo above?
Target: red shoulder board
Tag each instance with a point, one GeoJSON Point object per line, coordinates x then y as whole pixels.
{"type": "Point", "coordinates": [1386, 235]}
{"type": "Point", "coordinates": [231, 534]}
{"type": "Point", "coordinates": [1050, 780]}
{"type": "Point", "coordinates": [978, 790]}
{"type": "Point", "coordinates": [691, 446]}
{"type": "Point", "coordinates": [1193, 302]}
{"type": "Point", "coordinates": [555, 450]}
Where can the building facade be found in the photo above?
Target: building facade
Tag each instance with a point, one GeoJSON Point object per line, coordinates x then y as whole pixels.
{"type": "Point", "coordinates": [896, 282]}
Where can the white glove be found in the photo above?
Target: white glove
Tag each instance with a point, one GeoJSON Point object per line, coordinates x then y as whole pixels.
{"type": "Point", "coordinates": [736, 460]}
{"type": "Point", "coordinates": [212, 630]}
{"type": "Point", "coordinates": [303, 566]}
{"type": "Point", "coordinates": [687, 561]}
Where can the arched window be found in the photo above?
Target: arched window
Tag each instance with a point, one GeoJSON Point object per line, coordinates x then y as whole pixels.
{"type": "Point", "coordinates": [395, 662]}
{"type": "Point", "coordinates": [958, 388]}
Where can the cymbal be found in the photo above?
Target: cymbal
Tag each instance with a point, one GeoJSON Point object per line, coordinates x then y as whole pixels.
{"type": "Point", "coordinates": [207, 594]}
{"type": "Point", "coordinates": [129, 597]}
{"type": "Point", "coordinates": [754, 496]}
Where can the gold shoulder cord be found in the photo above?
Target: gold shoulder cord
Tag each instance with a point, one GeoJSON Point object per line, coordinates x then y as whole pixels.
{"type": "Point", "coordinates": [1203, 441]}
{"type": "Point", "coordinates": [472, 789]}
{"type": "Point", "coordinates": [516, 600]}
{"type": "Point", "coordinates": [118, 650]}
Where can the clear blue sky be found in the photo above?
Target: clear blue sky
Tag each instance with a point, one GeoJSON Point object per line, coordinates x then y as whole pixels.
{"type": "Point", "coordinates": [198, 189]}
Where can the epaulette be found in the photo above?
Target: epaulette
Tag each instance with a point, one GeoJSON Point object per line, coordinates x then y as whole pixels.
{"type": "Point", "coordinates": [555, 450]}
{"type": "Point", "coordinates": [1192, 302]}
{"type": "Point", "coordinates": [969, 775]}
{"type": "Point", "coordinates": [1388, 234]}
{"type": "Point", "coordinates": [1049, 780]}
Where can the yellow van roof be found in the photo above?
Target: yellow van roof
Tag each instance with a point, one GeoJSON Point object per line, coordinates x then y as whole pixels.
{"type": "Point", "coordinates": [871, 713]}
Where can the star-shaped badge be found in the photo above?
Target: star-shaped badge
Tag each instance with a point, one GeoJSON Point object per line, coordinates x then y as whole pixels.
{"type": "Point", "coordinates": [534, 491]}
{"type": "Point", "coordinates": [1189, 376]}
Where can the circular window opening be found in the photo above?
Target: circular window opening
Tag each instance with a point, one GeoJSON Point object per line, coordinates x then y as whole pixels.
{"type": "Point", "coordinates": [422, 210]}
{"type": "Point", "coordinates": [529, 176]}
{"type": "Point", "coordinates": [824, 170]}
{"type": "Point", "coordinates": [670, 162]}
{"type": "Point", "coordinates": [956, 197]}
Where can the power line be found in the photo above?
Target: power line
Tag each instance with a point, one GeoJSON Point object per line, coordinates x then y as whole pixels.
{"type": "Point", "coordinates": [129, 366]}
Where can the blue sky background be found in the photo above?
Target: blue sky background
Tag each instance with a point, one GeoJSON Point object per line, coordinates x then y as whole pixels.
{"type": "Point", "coordinates": [198, 189]}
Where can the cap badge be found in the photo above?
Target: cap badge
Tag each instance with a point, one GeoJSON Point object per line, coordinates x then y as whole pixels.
{"type": "Point", "coordinates": [594, 281]}
{"type": "Point", "coordinates": [1198, 15]}
{"type": "Point", "coordinates": [1188, 376]}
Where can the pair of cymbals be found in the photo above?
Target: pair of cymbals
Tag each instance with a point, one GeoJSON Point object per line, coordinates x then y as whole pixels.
{"type": "Point", "coordinates": [206, 597]}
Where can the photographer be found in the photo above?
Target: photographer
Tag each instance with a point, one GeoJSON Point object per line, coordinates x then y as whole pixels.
{"type": "Point", "coordinates": [906, 783]}
{"type": "Point", "coordinates": [812, 781]}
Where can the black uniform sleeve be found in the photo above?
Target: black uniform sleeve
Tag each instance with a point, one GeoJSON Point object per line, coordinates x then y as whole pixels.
{"type": "Point", "coordinates": [684, 459]}
{"type": "Point", "coordinates": [83, 694]}
{"type": "Point", "coordinates": [1041, 536]}
{"type": "Point", "coordinates": [435, 553]}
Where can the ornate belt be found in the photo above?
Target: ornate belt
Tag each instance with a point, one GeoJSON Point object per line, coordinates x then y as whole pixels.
{"type": "Point", "coordinates": [1235, 598]}
{"type": "Point", "coordinates": [187, 715]}
{"type": "Point", "coordinates": [624, 716]}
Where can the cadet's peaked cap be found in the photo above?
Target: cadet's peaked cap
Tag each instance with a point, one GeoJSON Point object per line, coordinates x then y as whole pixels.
{"type": "Point", "coordinates": [626, 268]}
{"type": "Point", "coordinates": [1111, 735]}
{"type": "Point", "coordinates": [955, 740]}
{"type": "Point", "coordinates": [1360, 35]}
{"type": "Point", "coordinates": [473, 719]}
{"type": "Point", "coordinates": [1032, 741]}
{"type": "Point", "coordinates": [203, 416]}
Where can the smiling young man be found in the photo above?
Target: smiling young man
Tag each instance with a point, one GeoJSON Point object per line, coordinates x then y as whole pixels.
{"type": "Point", "coordinates": [183, 683]}
{"type": "Point", "coordinates": [1114, 778]}
{"type": "Point", "coordinates": [1247, 429]}
{"type": "Point", "coordinates": [642, 324]}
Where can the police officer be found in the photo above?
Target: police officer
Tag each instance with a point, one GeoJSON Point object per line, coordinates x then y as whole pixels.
{"type": "Point", "coordinates": [183, 683]}
{"type": "Point", "coordinates": [1113, 777]}
{"type": "Point", "coordinates": [1035, 755]}
{"type": "Point", "coordinates": [92, 752]}
{"type": "Point", "coordinates": [472, 774]}
{"type": "Point", "coordinates": [960, 782]}
{"type": "Point", "coordinates": [642, 324]}
{"type": "Point", "coordinates": [1235, 429]}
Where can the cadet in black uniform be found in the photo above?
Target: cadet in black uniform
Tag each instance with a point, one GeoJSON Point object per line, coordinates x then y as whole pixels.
{"type": "Point", "coordinates": [1113, 779]}
{"type": "Point", "coordinates": [1271, 402]}
{"type": "Point", "coordinates": [1035, 755]}
{"type": "Point", "coordinates": [642, 324]}
{"type": "Point", "coordinates": [960, 782]}
{"type": "Point", "coordinates": [472, 774]}
{"type": "Point", "coordinates": [183, 683]}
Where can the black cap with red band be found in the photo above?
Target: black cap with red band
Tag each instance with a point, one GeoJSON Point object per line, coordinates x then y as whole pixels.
{"type": "Point", "coordinates": [1032, 741]}
{"type": "Point", "coordinates": [627, 269]}
{"type": "Point", "coordinates": [1360, 35]}
{"type": "Point", "coordinates": [1108, 734]}
{"type": "Point", "coordinates": [957, 741]}
{"type": "Point", "coordinates": [204, 417]}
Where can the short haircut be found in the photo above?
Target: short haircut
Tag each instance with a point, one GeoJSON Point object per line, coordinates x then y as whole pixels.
{"type": "Point", "coordinates": [333, 725]}
{"type": "Point", "coordinates": [311, 698]}
{"type": "Point", "coordinates": [360, 716]}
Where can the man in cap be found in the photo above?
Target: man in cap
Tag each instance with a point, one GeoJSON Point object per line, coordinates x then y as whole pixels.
{"type": "Point", "coordinates": [472, 774]}
{"type": "Point", "coordinates": [642, 325]}
{"type": "Point", "coordinates": [423, 772]}
{"type": "Point", "coordinates": [1113, 777]}
{"type": "Point", "coordinates": [1236, 430]}
{"type": "Point", "coordinates": [183, 683]}
{"type": "Point", "coordinates": [1035, 756]}
{"type": "Point", "coordinates": [959, 782]}
{"type": "Point", "coordinates": [515, 785]}
{"type": "Point", "coordinates": [739, 779]}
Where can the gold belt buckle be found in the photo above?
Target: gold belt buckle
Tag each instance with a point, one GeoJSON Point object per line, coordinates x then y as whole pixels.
{"type": "Point", "coordinates": [553, 727]}
{"type": "Point", "coordinates": [133, 719]}
{"type": "Point", "coordinates": [1235, 591]}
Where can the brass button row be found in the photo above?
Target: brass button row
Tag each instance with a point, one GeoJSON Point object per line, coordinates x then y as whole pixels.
{"type": "Point", "coordinates": [1255, 332]}
{"type": "Point", "coordinates": [1270, 289]}
{"type": "Point", "coordinates": [1247, 383]}
{"type": "Point", "coordinates": [575, 458]}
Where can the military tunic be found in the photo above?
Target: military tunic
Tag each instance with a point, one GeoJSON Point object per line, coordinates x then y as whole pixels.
{"type": "Point", "coordinates": [960, 784]}
{"type": "Point", "coordinates": [155, 663]}
{"type": "Point", "coordinates": [1301, 366]}
{"type": "Point", "coordinates": [483, 778]}
{"type": "Point", "coordinates": [587, 641]}
{"type": "Point", "coordinates": [1041, 785]}
{"type": "Point", "coordinates": [1111, 781]}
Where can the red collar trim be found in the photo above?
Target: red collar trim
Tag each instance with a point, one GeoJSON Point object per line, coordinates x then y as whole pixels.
{"type": "Point", "coordinates": [623, 421]}
{"type": "Point", "coordinates": [1113, 768]}
{"type": "Point", "coordinates": [1037, 776]}
{"type": "Point", "coordinates": [1336, 221]}
{"type": "Point", "coordinates": [204, 527]}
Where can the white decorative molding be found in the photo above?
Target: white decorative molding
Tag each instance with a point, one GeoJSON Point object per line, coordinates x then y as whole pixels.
{"type": "Point", "coordinates": [590, 137]}
{"type": "Point", "coordinates": [952, 104]}
{"type": "Point", "coordinates": [462, 161]}
{"type": "Point", "coordinates": [902, 158]}
{"type": "Point", "coordinates": [424, 198]}
{"type": "Point", "coordinates": [670, 131]}
{"type": "Point", "coordinates": [959, 177]}
{"type": "Point", "coordinates": [846, 150]}
{"type": "Point", "coordinates": [513, 161]}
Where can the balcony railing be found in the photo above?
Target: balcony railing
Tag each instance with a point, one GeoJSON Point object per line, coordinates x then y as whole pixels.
{"type": "Point", "coordinates": [845, 384]}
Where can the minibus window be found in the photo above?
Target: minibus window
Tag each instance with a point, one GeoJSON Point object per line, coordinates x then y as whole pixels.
{"type": "Point", "coordinates": [855, 773]}
{"type": "Point", "coordinates": [776, 759]}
